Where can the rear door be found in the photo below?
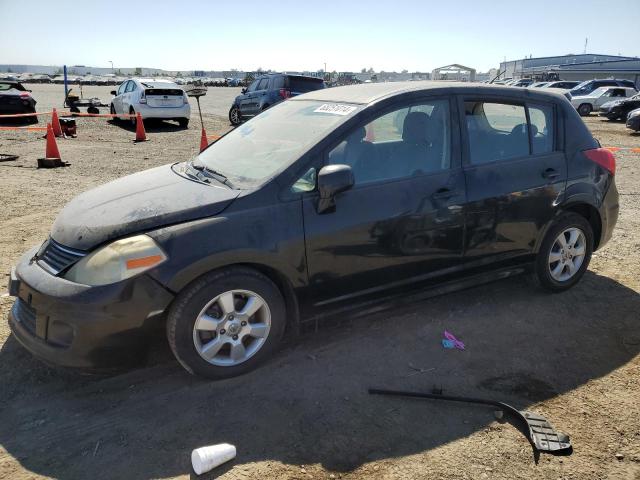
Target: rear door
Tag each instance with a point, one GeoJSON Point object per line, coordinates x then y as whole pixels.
{"type": "Point", "coordinates": [515, 173]}
{"type": "Point", "coordinates": [402, 221]}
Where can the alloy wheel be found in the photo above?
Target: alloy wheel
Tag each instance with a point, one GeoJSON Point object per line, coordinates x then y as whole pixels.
{"type": "Point", "coordinates": [567, 254]}
{"type": "Point", "coordinates": [232, 327]}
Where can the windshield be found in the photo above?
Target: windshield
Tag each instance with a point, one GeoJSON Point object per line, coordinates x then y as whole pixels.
{"type": "Point", "coordinates": [256, 151]}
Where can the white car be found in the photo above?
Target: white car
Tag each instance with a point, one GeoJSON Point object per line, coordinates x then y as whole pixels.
{"type": "Point", "coordinates": [585, 104]}
{"type": "Point", "coordinates": [152, 98]}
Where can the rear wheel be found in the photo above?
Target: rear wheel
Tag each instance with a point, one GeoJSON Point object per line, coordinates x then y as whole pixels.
{"type": "Point", "coordinates": [234, 116]}
{"type": "Point", "coordinates": [226, 323]}
{"type": "Point", "coordinates": [183, 122]}
{"type": "Point", "coordinates": [585, 109]}
{"type": "Point", "coordinates": [565, 253]}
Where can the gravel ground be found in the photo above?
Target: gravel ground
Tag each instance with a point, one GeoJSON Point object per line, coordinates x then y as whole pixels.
{"type": "Point", "coordinates": [572, 357]}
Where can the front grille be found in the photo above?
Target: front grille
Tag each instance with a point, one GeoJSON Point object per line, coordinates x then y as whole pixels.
{"type": "Point", "coordinates": [55, 258]}
{"type": "Point", "coordinates": [25, 314]}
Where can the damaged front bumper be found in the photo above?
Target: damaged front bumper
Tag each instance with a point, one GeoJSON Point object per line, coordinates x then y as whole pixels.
{"type": "Point", "coordinates": [81, 326]}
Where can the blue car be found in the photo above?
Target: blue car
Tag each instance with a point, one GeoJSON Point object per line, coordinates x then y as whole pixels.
{"type": "Point", "coordinates": [268, 90]}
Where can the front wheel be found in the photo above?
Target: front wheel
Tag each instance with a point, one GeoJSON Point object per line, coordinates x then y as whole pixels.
{"type": "Point", "coordinates": [234, 116]}
{"type": "Point", "coordinates": [565, 253]}
{"type": "Point", "coordinates": [226, 323]}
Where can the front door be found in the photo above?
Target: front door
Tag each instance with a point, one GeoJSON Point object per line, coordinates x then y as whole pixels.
{"type": "Point", "coordinates": [515, 174]}
{"type": "Point", "coordinates": [402, 221]}
{"type": "Point", "coordinates": [245, 100]}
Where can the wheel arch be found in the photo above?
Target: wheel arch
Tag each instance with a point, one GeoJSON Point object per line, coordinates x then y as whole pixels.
{"type": "Point", "coordinates": [280, 280]}
{"type": "Point", "coordinates": [585, 210]}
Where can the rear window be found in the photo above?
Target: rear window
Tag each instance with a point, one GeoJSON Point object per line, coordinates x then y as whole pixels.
{"type": "Point", "coordinates": [8, 86]}
{"type": "Point", "coordinates": [305, 84]}
{"type": "Point", "coordinates": [163, 91]}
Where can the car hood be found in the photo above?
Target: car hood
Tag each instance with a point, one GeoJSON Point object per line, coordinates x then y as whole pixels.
{"type": "Point", "coordinates": [136, 203]}
{"type": "Point", "coordinates": [611, 104]}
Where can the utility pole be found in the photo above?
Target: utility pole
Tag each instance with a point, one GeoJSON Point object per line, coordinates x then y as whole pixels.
{"type": "Point", "coordinates": [586, 41]}
{"type": "Point", "coordinates": [111, 62]}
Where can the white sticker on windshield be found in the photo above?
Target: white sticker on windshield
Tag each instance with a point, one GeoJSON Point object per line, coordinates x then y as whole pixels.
{"type": "Point", "coordinates": [335, 109]}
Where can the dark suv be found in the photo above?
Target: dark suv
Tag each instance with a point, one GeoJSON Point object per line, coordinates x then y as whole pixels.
{"type": "Point", "coordinates": [588, 86]}
{"type": "Point", "coordinates": [322, 205]}
{"type": "Point", "coordinates": [268, 90]}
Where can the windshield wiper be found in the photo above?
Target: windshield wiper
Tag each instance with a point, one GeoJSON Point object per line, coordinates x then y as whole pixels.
{"type": "Point", "coordinates": [220, 177]}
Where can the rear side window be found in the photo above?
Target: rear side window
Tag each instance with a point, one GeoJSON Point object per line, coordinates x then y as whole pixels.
{"type": "Point", "coordinates": [277, 82]}
{"type": "Point", "coordinates": [541, 117]}
{"type": "Point", "coordinates": [303, 85]}
{"type": "Point", "coordinates": [497, 131]}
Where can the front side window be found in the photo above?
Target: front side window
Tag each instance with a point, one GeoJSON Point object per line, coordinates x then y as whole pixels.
{"type": "Point", "coordinates": [263, 85]}
{"type": "Point", "coordinates": [259, 149]}
{"type": "Point", "coordinates": [253, 86]}
{"type": "Point", "coordinates": [408, 141]}
{"type": "Point", "coordinates": [122, 87]}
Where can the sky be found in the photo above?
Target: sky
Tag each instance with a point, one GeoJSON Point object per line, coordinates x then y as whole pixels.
{"type": "Point", "coordinates": [347, 35]}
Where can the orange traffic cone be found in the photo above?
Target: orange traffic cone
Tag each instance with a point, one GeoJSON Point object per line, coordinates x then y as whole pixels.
{"type": "Point", "coordinates": [141, 135]}
{"type": "Point", "coordinates": [52, 154]}
{"type": "Point", "coordinates": [204, 143]}
{"type": "Point", "coordinates": [55, 123]}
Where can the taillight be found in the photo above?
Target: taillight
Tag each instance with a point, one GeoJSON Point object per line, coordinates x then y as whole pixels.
{"type": "Point", "coordinates": [284, 93]}
{"type": "Point", "coordinates": [602, 157]}
{"type": "Point", "coordinates": [25, 94]}
{"type": "Point", "coordinates": [143, 97]}
{"type": "Point", "coordinates": [185, 99]}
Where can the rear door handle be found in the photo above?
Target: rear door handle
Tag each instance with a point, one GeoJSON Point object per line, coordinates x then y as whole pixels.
{"type": "Point", "coordinates": [443, 194]}
{"type": "Point", "coordinates": [550, 174]}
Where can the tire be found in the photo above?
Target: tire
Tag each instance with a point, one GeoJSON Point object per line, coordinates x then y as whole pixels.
{"type": "Point", "coordinates": [545, 265]}
{"type": "Point", "coordinates": [235, 117]}
{"type": "Point", "coordinates": [202, 297]}
{"type": "Point", "coordinates": [112, 111]}
{"type": "Point", "coordinates": [133, 120]}
{"type": "Point", "coordinates": [585, 109]}
{"type": "Point", "coordinates": [183, 122]}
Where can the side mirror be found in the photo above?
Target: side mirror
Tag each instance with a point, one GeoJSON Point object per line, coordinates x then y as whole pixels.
{"type": "Point", "coordinates": [114, 93]}
{"type": "Point", "coordinates": [332, 180]}
{"type": "Point", "coordinates": [244, 90]}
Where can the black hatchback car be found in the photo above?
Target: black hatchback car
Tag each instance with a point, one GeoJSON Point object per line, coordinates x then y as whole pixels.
{"type": "Point", "coordinates": [619, 109]}
{"type": "Point", "coordinates": [14, 98]}
{"type": "Point", "coordinates": [319, 205]}
{"type": "Point", "coordinates": [269, 90]}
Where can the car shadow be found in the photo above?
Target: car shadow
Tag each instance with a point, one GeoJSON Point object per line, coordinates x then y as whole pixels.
{"type": "Point", "coordinates": [151, 125]}
{"type": "Point", "coordinates": [310, 404]}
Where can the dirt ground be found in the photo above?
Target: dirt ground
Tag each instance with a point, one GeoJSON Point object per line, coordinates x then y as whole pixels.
{"type": "Point", "coordinates": [572, 357]}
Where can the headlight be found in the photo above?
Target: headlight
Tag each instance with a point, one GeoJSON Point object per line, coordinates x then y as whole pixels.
{"type": "Point", "coordinates": [117, 261]}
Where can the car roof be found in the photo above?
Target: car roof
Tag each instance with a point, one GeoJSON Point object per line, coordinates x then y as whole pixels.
{"type": "Point", "coordinates": [367, 93]}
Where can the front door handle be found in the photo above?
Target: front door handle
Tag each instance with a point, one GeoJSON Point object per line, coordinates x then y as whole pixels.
{"type": "Point", "coordinates": [550, 174]}
{"type": "Point", "coordinates": [443, 194]}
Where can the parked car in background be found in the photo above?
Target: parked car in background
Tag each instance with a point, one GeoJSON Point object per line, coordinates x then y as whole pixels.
{"type": "Point", "coordinates": [633, 120]}
{"type": "Point", "coordinates": [588, 86]}
{"type": "Point", "coordinates": [562, 84]}
{"type": "Point", "coordinates": [152, 98]}
{"type": "Point", "coordinates": [502, 81]}
{"type": "Point", "coordinates": [268, 90]}
{"type": "Point", "coordinates": [14, 98]}
{"type": "Point", "coordinates": [538, 84]}
{"type": "Point", "coordinates": [523, 82]}
{"type": "Point", "coordinates": [585, 104]}
{"type": "Point", "coordinates": [318, 207]}
{"type": "Point", "coordinates": [619, 109]}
